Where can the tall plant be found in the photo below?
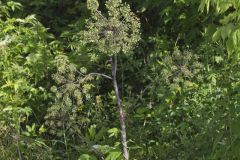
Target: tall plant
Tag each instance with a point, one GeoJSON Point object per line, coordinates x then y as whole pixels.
{"type": "Point", "coordinates": [113, 34]}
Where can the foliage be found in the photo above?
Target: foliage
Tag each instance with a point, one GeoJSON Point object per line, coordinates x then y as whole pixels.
{"type": "Point", "coordinates": [179, 85]}
{"type": "Point", "coordinates": [25, 61]}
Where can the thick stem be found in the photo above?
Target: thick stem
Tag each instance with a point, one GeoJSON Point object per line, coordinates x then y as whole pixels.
{"type": "Point", "coordinates": [120, 109]}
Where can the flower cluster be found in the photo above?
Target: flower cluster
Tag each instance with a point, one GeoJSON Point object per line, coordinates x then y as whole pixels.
{"type": "Point", "coordinates": [119, 31]}
{"type": "Point", "coordinates": [71, 90]}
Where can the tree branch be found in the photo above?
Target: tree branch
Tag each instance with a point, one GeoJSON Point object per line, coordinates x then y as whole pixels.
{"type": "Point", "coordinates": [100, 74]}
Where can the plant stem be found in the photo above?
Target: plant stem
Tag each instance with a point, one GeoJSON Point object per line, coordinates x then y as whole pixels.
{"type": "Point", "coordinates": [18, 139]}
{"type": "Point", "coordinates": [120, 109]}
{"type": "Point", "coordinates": [19, 151]}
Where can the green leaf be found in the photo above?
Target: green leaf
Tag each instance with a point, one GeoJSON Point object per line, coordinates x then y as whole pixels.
{"type": "Point", "coordinates": [224, 6]}
{"type": "Point", "coordinates": [14, 5]}
{"type": "Point", "coordinates": [217, 35]}
{"type": "Point", "coordinates": [87, 157]}
{"type": "Point", "coordinates": [92, 132]}
{"type": "Point", "coordinates": [230, 46]}
{"type": "Point", "coordinates": [218, 59]}
{"type": "Point", "coordinates": [226, 31]}
{"type": "Point", "coordinates": [114, 155]}
{"type": "Point", "coordinates": [113, 132]}
{"type": "Point", "coordinates": [202, 5]}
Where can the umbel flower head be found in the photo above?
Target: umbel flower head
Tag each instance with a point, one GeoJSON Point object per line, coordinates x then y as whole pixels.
{"type": "Point", "coordinates": [117, 32]}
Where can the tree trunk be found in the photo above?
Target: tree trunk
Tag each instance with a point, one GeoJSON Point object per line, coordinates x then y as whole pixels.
{"type": "Point", "coordinates": [120, 109]}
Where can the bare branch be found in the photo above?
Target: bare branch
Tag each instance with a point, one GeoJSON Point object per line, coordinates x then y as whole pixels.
{"type": "Point", "coordinates": [100, 74]}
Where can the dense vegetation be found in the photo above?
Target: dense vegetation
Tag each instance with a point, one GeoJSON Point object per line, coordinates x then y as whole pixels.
{"type": "Point", "coordinates": [76, 76]}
